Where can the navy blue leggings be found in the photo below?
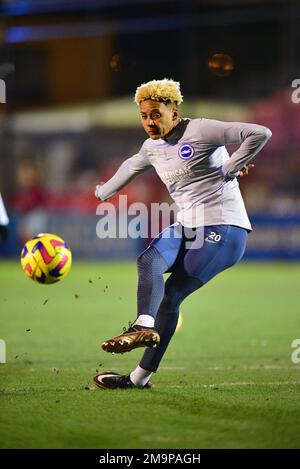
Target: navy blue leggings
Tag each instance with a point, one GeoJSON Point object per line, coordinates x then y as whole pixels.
{"type": "Point", "coordinates": [192, 263]}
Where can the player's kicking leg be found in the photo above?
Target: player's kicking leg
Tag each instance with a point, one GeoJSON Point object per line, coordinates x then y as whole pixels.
{"type": "Point", "coordinates": [151, 267]}
{"type": "Point", "coordinates": [133, 337]}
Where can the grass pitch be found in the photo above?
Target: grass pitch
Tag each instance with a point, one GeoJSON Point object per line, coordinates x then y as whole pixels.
{"type": "Point", "coordinates": [226, 381]}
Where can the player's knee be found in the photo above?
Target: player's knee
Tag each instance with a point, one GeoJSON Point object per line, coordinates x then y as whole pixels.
{"type": "Point", "coordinates": [172, 300]}
{"type": "Point", "coordinates": [144, 260]}
{"type": "Point", "coordinates": [151, 260]}
{"type": "Point", "coordinates": [178, 291]}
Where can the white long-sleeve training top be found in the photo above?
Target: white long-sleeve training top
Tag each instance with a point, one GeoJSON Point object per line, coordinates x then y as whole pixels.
{"type": "Point", "coordinates": [197, 170]}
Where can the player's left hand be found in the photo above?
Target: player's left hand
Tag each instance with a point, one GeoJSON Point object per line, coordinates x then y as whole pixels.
{"type": "Point", "coordinates": [245, 170]}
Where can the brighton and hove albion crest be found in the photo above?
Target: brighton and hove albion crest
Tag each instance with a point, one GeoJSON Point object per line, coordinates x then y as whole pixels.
{"type": "Point", "coordinates": [186, 152]}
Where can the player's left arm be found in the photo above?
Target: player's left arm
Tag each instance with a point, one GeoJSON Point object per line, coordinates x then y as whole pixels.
{"type": "Point", "coordinates": [251, 137]}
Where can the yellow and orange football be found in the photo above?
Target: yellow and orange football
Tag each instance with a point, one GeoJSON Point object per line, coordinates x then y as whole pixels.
{"type": "Point", "coordinates": [46, 258]}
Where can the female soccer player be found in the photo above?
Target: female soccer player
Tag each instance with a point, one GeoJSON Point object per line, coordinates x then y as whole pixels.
{"type": "Point", "coordinates": [190, 157]}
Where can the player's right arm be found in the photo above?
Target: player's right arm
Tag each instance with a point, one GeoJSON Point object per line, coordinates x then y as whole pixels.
{"type": "Point", "coordinates": [128, 170]}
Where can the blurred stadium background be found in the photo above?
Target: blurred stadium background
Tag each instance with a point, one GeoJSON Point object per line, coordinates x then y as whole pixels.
{"type": "Point", "coordinates": [71, 69]}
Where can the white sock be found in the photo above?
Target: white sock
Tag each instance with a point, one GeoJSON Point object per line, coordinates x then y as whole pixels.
{"type": "Point", "coordinates": [145, 320]}
{"type": "Point", "coordinates": [140, 377]}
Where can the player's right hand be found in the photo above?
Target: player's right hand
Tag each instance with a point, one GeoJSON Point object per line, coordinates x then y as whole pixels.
{"type": "Point", "coordinates": [98, 190]}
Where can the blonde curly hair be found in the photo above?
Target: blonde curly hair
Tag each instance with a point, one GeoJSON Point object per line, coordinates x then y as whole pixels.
{"type": "Point", "coordinates": [159, 90]}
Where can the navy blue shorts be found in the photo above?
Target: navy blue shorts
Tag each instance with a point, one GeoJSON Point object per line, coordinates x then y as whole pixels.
{"type": "Point", "coordinates": [201, 252]}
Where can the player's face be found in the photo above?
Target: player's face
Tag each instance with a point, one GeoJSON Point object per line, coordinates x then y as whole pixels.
{"type": "Point", "coordinates": [158, 119]}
